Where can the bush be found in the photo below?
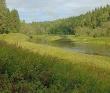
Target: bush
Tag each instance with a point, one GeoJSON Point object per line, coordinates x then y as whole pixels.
{"type": "Point", "coordinates": [22, 71]}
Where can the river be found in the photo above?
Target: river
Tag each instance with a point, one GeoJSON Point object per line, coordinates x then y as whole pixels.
{"type": "Point", "coordinates": [64, 43]}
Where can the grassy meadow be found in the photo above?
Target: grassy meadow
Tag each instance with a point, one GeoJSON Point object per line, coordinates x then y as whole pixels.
{"type": "Point", "coordinates": [92, 40]}
{"type": "Point", "coordinates": [46, 37]}
{"type": "Point", "coordinates": [27, 67]}
{"type": "Point", "coordinates": [96, 40]}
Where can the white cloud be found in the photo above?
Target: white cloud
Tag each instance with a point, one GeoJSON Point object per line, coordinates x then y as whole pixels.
{"type": "Point", "coordinates": [51, 11]}
{"type": "Point", "coordinates": [41, 10]}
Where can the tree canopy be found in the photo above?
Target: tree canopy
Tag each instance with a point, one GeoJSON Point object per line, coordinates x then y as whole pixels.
{"type": "Point", "coordinates": [89, 24]}
{"type": "Point", "coordinates": [9, 20]}
{"type": "Point", "coordinates": [94, 23]}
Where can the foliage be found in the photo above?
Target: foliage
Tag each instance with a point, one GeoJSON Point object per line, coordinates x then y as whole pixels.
{"type": "Point", "coordinates": [16, 20]}
{"type": "Point", "coordinates": [9, 21]}
{"type": "Point", "coordinates": [93, 23]}
{"type": "Point", "coordinates": [25, 71]}
{"type": "Point", "coordinates": [89, 24]}
{"type": "Point", "coordinates": [31, 29]}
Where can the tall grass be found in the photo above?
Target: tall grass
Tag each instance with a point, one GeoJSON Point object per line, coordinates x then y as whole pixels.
{"type": "Point", "coordinates": [46, 37]}
{"type": "Point", "coordinates": [49, 70]}
{"type": "Point", "coordinates": [24, 72]}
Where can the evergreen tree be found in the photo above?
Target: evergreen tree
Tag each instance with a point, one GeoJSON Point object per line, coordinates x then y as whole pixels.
{"type": "Point", "coordinates": [16, 20]}
{"type": "Point", "coordinates": [2, 16]}
{"type": "Point", "coordinates": [10, 22]}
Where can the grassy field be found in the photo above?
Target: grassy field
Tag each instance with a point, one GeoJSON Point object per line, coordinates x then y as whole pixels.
{"type": "Point", "coordinates": [97, 40]}
{"type": "Point", "coordinates": [46, 69]}
{"type": "Point", "coordinates": [46, 37]}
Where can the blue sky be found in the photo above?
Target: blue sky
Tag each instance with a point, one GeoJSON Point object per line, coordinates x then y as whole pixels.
{"type": "Point", "coordinates": [48, 10]}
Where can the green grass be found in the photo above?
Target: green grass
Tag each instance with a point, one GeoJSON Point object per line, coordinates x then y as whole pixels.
{"type": "Point", "coordinates": [97, 40]}
{"type": "Point", "coordinates": [28, 67]}
{"type": "Point", "coordinates": [46, 37]}
{"type": "Point", "coordinates": [24, 71]}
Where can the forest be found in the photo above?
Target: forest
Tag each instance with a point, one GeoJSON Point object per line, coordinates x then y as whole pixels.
{"type": "Point", "coordinates": [95, 23]}
{"type": "Point", "coordinates": [9, 20]}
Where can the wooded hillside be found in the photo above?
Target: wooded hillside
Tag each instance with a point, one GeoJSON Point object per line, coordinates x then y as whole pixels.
{"type": "Point", "coordinates": [94, 23]}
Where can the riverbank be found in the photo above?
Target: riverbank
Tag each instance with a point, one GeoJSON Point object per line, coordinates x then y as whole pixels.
{"type": "Point", "coordinates": [91, 40]}
{"type": "Point", "coordinates": [97, 40]}
{"type": "Point", "coordinates": [93, 71]}
{"type": "Point", "coordinates": [64, 43]}
{"type": "Point", "coordinates": [21, 40]}
{"type": "Point", "coordinates": [46, 37]}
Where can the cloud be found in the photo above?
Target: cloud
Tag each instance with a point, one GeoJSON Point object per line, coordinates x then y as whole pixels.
{"type": "Point", "coordinates": [46, 10]}
{"type": "Point", "coordinates": [52, 11]}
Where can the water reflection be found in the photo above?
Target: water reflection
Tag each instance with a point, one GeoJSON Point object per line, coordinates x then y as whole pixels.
{"type": "Point", "coordinates": [78, 46]}
{"type": "Point", "coordinates": [82, 47]}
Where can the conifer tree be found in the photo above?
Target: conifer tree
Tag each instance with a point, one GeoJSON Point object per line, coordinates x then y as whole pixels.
{"type": "Point", "coordinates": [10, 21]}
{"type": "Point", "coordinates": [16, 20]}
{"type": "Point", "coordinates": [2, 16]}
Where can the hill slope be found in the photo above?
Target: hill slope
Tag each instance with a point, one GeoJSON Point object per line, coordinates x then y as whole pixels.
{"type": "Point", "coordinates": [95, 24]}
{"type": "Point", "coordinates": [49, 71]}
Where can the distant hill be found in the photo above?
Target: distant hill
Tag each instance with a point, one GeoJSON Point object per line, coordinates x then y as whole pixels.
{"type": "Point", "coordinates": [95, 23]}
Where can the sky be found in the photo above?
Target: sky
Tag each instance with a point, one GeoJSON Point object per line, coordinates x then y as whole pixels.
{"type": "Point", "coordinates": [49, 10]}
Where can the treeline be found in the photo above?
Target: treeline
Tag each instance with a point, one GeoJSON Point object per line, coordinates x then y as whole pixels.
{"type": "Point", "coordinates": [9, 20]}
{"type": "Point", "coordinates": [31, 28]}
{"type": "Point", "coordinates": [95, 23]}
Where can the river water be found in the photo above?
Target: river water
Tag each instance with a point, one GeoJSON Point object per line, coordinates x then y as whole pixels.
{"type": "Point", "coordinates": [87, 48]}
